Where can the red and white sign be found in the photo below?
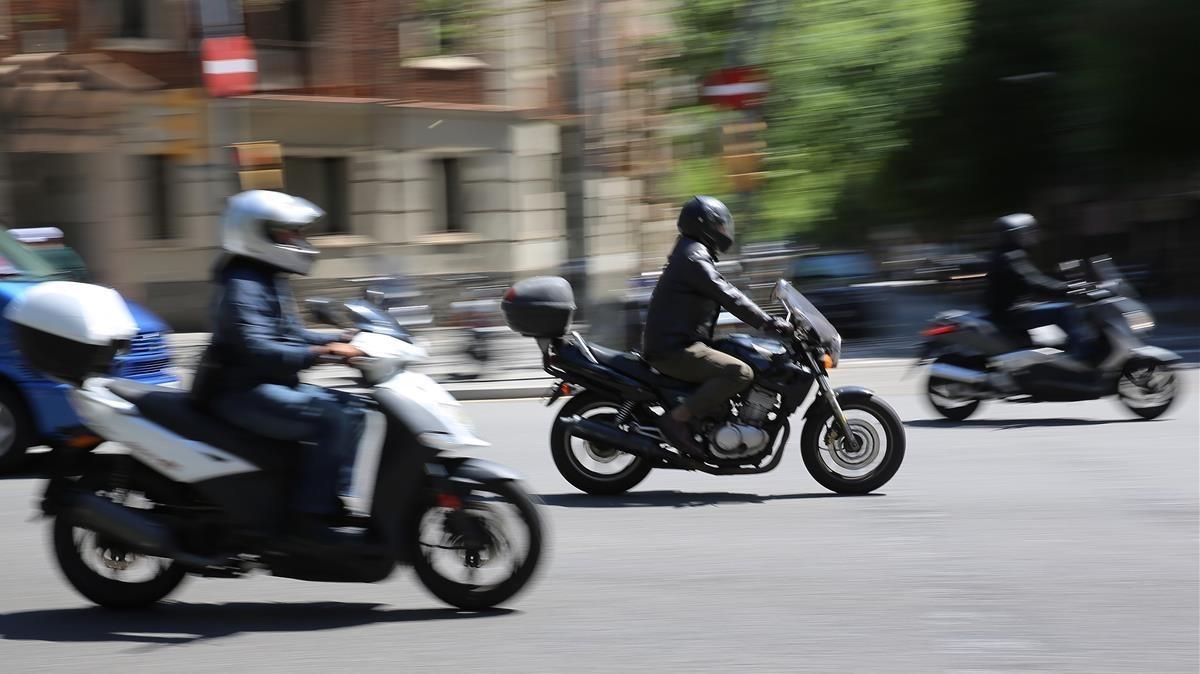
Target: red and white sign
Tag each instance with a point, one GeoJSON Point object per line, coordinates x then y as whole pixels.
{"type": "Point", "coordinates": [737, 88]}
{"type": "Point", "coordinates": [230, 68]}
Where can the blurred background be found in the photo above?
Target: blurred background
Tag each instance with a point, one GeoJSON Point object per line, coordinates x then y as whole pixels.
{"type": "Point", "coordinates": [864, 147]}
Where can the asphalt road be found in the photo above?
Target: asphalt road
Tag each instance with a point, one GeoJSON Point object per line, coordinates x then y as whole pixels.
{"type": "Point", "coordinates": [1039, 538]}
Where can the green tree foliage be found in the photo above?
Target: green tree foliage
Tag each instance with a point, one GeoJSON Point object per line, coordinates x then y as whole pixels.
{"type": "Point", "coordinates": [844, 75]}
{"type": "Point", "coordinates": [932, 111]}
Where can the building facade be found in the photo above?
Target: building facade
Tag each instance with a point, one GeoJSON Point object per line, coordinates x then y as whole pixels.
{"type": "Point", "coordinates": [436, 155]}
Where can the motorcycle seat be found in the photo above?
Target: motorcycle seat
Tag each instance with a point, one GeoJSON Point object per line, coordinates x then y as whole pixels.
{"type": "Point", "coordinates": [632, 365]}
{"type": "Point", "coordinates": [174, 410]}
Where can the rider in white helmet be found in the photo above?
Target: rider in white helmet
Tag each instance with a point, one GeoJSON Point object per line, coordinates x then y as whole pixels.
{"type": "Point", "coordinates": [249, 375]}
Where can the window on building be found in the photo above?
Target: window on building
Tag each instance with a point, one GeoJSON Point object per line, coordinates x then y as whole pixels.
{"type": "Point", "coordinates": [142, 21]}
{"type": "Point", "coordinates": [448, 189]}
{"type": "Point", "coordinates": [160, 212]}
{"type": "Point", "coordinates": [323, 181]}
{"type": "Point", "coordinates": [133, 19]}
{"type": "Point", "coordinates": [282, 36]}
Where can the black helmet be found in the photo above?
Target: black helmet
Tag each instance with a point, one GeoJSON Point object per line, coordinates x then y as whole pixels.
{"type": "Point", "coordinates": [708, 221]}
{"type": "Point", "coordinates": [1018, 229]}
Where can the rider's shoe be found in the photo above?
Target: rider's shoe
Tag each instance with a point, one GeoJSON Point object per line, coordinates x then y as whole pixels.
{"type": "Point", "coordinates": [680, 435]}
{"type": "Point", "coordinates": [324, 531]}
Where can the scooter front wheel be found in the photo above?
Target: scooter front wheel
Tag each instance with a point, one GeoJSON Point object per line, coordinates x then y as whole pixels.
{"type": "Point", "coordinates": [477, 549]}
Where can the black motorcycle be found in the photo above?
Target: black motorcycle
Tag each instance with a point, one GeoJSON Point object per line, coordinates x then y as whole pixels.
{"type": "Point", "coordinates": [605, 439]}
{"type": "Point", "coordinates": [971, 359]}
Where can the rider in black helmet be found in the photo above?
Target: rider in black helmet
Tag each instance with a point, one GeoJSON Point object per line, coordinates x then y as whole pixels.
{"type": "Point", "coordinates": [683, 310]}
{"type": "Point", "coordinates": [1014, 284]}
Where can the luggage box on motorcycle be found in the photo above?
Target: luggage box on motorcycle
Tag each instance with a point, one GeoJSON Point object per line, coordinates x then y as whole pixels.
{"type": "Point", "coordinates": [70, 331]}
{"type": "Point", "coordinates": [539, 307]}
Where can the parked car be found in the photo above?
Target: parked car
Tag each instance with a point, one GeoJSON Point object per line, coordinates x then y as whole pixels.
{"type": "Point", "coordinates": [836, 283]}
{"type": "Point", "coordinates": [32, 407]}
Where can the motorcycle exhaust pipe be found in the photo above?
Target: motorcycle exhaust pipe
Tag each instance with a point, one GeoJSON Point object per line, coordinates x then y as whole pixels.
{"type": "Point", "coordinates": [638, 445]}
{"type": "Point", "coordinates": [139, 532]}
{"type": "Point", "coordinates": [958, 374]}
{"type": "Point", "coordinates": [101, 515]}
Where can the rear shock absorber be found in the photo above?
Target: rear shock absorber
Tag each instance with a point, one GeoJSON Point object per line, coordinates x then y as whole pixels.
{"type": "Point", "coordinates": [625, 411]}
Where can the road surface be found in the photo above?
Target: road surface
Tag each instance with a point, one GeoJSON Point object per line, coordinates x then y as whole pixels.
{"type": "Point", "coordinates": [1037, 538]}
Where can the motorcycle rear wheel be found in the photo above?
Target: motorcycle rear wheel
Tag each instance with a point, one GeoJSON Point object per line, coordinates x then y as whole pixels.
{"type": "Point", "coordinates": [593, 469]}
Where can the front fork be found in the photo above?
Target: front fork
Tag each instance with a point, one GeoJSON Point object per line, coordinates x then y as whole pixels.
{"type": "Point", "coordinates": [839, 416]}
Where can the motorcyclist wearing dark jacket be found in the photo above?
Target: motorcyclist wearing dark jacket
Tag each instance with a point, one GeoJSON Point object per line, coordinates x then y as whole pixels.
{"type": "Point", "coordinates": [249, 375]}
{"type": "Point", "coordinates": [682, 313]}
{"type": "Point", "coordinates": [1015, 285]}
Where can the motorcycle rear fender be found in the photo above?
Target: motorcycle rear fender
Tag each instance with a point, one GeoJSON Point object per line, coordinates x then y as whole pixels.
{"type": "Point", "coordinates": [1155, 353]}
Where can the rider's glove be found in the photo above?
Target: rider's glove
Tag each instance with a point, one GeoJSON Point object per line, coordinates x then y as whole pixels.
{"type": "Point", "coordinates": [782, 326]}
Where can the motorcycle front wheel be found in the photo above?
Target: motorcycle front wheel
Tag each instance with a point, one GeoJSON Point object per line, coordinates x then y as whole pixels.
{"type": "Point", "coordinates": [870, 463]}
{"type": "Point", "coordinates": [478, 550]}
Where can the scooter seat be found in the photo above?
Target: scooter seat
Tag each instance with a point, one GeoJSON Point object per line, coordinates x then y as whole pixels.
{"type": "Point", "coordinates": [174, 410]}
{"type": "Point", "coordinates": [632, 365]}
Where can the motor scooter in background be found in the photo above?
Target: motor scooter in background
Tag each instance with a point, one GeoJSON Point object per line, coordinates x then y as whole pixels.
{"type": "Point", "coordinates": [476, 314]}
{"type": "Point", "coordinates": [972, 359]}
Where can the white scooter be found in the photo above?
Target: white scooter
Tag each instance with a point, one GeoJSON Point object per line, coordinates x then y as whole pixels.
{"type": "Point", "coordinates": [195, 496]}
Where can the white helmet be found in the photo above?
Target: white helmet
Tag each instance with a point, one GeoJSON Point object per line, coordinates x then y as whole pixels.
{"type": "Point", "coordinates": [269, 227]}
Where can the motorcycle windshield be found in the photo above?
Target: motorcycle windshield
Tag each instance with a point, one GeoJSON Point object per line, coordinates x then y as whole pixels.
{"type": "Point", "coordinates": [1106, 272]}
{"type": "Point", "coordinates": [809, 315]}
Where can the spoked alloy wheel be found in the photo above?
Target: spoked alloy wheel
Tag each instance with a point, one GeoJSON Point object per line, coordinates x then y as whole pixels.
{"type": "Point", "coordinates": [106, 572]}
{"type": "Point", "coordinates": [477, 551]}
{"type": "Point", "coordinates": [865, 467]}
{"type": "Point", "coordinates": [1147, 389]}
{"type": "Point", "coordinates": [592, 467]}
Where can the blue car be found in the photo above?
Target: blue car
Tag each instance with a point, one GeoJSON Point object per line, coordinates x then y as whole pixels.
{"type": "Point", "coordinates": [32, 407]}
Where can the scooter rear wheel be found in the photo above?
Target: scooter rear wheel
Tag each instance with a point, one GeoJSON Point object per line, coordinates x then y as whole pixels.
{"type": "Point", "coordinates": [102, 570]}
{"type": "Point", "coordinates": [1147, 388]}
{"type": "Point", "coordinates": [951, 399]}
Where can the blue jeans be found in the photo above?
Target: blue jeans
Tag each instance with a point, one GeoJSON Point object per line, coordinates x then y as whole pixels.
{"type": "Point", "coordinates": [1062, 314]}
{"type": "Point", "coordinates": [326, 423]}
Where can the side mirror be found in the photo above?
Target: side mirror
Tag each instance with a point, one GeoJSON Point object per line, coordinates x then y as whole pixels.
{"type": "Point", "coordinates": [374, 296]}
{"type": "Point", "coordinates": [322, 310]}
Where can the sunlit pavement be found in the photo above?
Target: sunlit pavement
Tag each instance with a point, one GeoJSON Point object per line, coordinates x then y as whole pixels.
{"type": "Point", "coordinates": [1035, 538]}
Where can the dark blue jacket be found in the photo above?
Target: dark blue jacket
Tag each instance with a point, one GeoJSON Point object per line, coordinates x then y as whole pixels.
{"type": "Point", "coordinates": [257, 336]}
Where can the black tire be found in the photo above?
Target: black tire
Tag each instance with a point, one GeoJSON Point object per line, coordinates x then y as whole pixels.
{"type": "Point", "coordinates": [107, 592]}
{"type": "Point", "coordinates": [466, 596]}
{"type": "Point", "coordinates": [588, 481]}
{"type": "Point", "coordinates": [1130, 384]}
{"type": "Point", "coordinates": [16, 430]}
{"type": "Point", "coordinates": [811, 450]}
{"type": "Point", "coordinates": [955, 412]}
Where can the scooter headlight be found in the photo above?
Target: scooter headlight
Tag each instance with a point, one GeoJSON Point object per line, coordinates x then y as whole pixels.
{"type": "Point", "coordinates": [1139, 320]}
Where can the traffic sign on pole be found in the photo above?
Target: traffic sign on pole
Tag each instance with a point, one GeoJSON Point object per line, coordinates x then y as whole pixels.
{"type": "Point", "coordinates": [737, 88]}
{"type": "Point", "coordinates": [230, 68]}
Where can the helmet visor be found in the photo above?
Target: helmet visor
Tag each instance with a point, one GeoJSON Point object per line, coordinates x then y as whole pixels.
{"type": "Point", "coordinates": [722, 233]}
{"type": "Point", "coordinates": [289, 235]}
